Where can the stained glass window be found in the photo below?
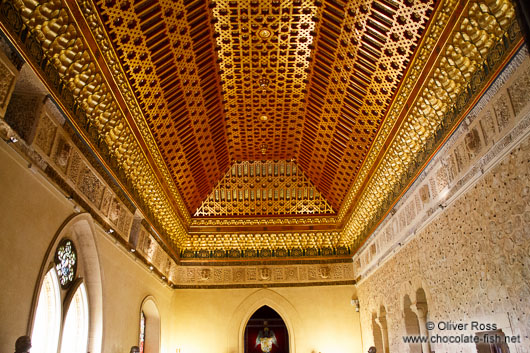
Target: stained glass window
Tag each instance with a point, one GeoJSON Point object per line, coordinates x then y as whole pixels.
{"type": "Point", "coordinates": [66, 262]}
{"type": "Point", "coordinates": [142, 331]}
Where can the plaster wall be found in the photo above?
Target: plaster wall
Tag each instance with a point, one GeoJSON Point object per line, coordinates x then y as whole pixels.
{"type": "Point", "coordinates": [31, 213]}
{"type": "Point", "coordinates": [319, 319]}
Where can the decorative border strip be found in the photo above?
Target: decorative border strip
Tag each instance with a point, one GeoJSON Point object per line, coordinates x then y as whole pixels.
{"type": "Point", "coordinates": [268, 285]}
{"type": "Point", "coordinates": [264, 253]}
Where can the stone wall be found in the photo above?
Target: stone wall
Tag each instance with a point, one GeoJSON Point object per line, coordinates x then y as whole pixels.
{"type": "Point", "coordinates": [471, 258]}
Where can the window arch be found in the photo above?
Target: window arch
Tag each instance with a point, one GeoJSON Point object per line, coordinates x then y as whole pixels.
{"type": "Point", "coordinates": [151, 321]}
{"type": "Point", "coordinates": [62, 320]}
{"type": "Point", "coordinates": [75, 328]}
{"type": "Point", "coordinates": [142, 331]}
{"type": "Point", "coordinates": [47, 323]}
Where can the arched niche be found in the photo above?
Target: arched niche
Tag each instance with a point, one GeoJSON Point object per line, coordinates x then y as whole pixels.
{"type": "Point", "coordinates": [378, 334]}
{"type": "Point", "coordinates": [152, 325]}
{"type": "Point", "coordinates": [412, 326]}
{"type": "Point", "coordinates": [244, 311]}
{"type": "Point", "coordinates": [80, 229]}
{"type": "Point", "coordinates": [266, 327]}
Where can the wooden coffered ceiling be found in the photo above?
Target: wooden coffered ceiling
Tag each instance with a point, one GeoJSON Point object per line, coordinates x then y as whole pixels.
{"type": "Point", "coordinates": [264, 80]}
{"type": "Point", "coordinates": [201, 109]}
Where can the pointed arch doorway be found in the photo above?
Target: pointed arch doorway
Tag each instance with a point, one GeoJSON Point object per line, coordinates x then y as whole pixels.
{"type": "Point", "coordinates": [266, 332]}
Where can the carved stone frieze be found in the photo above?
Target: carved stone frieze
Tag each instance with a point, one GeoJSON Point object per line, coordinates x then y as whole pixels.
{"type": "Point", "coordinates": [56, 147]}
{"type": "Point", "coordinates": [23, 113]}
{"type": "Point", "coordinates": [8, 76]}
{"type": "Point", "coordinates": [263, 275]}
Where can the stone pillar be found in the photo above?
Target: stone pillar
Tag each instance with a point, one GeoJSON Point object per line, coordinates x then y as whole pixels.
{"type": "Point", "coordinates": [381, 322]}
{"type": "Point", "coordinates": [420, 309]}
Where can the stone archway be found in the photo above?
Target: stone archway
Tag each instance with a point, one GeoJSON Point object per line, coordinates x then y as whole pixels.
{"type": "Point", "coordinates": [250, 305]}
{"type": "Point", "coordinates": [266, 332]}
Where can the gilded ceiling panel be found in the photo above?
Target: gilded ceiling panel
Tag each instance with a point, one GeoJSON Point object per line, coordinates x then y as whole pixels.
{"type": "Point", "coordinates": [361, 52]}
{"type": "Point", "coordinates": [264, 188]}
{"type": "Point", "coordinates": [264, 49]}
{"type": "Point", "coordinates": [166, 49]}
{"type": "Point", "coordinates": [171, 93]}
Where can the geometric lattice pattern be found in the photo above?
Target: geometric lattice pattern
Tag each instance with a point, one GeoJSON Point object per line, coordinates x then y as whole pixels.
{"type": "Point", "coordinates": [361, 51]}
{"type": "Point", "coordinates": [264, 80]}
{"type": "Point", "coordinates": [264, 188]}
{"type": "Point", "coordinates": [170, 93]}
{"type": "Point", "coordinates": [166, 50]}
{"type": "Point", "coordinates": [264, 50]}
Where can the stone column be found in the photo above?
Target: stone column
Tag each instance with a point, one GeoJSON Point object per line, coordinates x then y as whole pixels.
{"type": "Point", "coordinates": [381, 322]}
{"type": "Point", "coordinates": [420, 309]}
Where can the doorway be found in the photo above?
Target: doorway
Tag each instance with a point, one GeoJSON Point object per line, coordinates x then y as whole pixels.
{"type": "Point", "coordinates": [266, 332]}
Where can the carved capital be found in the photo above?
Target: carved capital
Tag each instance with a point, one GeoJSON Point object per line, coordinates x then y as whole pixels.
{"type": "Point", "coordinates": [420, 309]}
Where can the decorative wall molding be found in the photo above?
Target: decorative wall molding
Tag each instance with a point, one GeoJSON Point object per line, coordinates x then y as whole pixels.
{"type": "Point", "coordinates": [8, 77]}
{"type": "Point", "coordinates": [266, 275]}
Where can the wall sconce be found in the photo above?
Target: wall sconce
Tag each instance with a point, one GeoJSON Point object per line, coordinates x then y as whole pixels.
{"type": "Point", "coordinates": [355, 303]}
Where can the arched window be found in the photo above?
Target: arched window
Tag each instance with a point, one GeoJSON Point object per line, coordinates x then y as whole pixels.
{"type": "Point", "coordinates": [150, 325]}
{"type": "Point", "coordinates": [62, 320]}
{"type": "Point", "coordinates": [142, 331]}
{"type": "Point", "coordinates": [75, 329]}
{"type": "Point", "coordinates": [47, 324]}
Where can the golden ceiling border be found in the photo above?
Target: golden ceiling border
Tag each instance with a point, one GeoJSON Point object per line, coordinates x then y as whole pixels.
{"type": "Point", "coordinates": [506, 45]}
{"type": "Point", "coordinates": [26, 42]}
{"type": "Point", "coordinates": [84, 9]}
{"type": "Point", "coordinates": [276, 261]}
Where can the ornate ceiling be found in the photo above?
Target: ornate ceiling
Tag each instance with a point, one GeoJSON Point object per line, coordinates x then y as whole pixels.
{"type": "Point", "coordinates": [264, 125]}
